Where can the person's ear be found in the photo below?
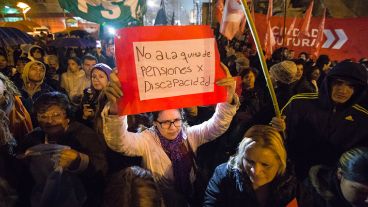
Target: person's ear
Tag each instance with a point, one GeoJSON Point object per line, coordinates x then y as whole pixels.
{"type": "Point", "coordinates": [339, 173]}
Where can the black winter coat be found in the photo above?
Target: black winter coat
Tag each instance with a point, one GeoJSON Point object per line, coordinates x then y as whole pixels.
{"type": "Point", "coordinates": [84, 140]}
{"type": "Point", "coordinates": [318, 131]}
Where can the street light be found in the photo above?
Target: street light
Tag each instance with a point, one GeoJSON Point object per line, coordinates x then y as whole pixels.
{"type": "Point", "coordinates": [25, 8]}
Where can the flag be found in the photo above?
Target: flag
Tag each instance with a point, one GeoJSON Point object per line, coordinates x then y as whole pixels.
{"type": "Point", "coordinates": [253, 12]}
{"type": "Point", "coordinates": [291, 28]}
{"type": "Point", "coordinates": [319, 39]}
{"type": "Point", "coordinates": [233, 19]}
{"type": "Point", "coordinates": [173, 18]}
{"type": "Point", "coordinates": [270, 41]}
{"type": "Point", "coordinates": [161, 18]}
{"type": "Point", "coordinates": [307, 19]}
{"type": "Point", "coordinates": [269, 10]}
{"type": "Point", "coordinates": [115, 13]}
{"type": "Point", "coordinates": [219, 8]}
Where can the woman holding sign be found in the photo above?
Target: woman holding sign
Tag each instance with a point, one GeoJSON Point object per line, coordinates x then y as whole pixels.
{"type": "Point", "coordinates": [167, 147]}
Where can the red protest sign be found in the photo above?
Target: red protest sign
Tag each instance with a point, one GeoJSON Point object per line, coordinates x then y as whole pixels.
{"type": "Point", "coordinates": [343, 38]}
{"type": "Point", "coordinates": [167, 67]}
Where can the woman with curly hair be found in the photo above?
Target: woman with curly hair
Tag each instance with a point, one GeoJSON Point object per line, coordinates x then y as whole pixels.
{"type": "Point", "coordinates": [19, 119]}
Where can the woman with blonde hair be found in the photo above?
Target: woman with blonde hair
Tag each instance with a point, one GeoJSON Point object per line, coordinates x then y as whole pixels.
{"type": "Point", "coordinates": [256, 175]}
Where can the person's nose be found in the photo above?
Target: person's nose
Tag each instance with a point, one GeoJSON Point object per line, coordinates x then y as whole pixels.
{"type": "Point", "coordinates": [344, 88]}
{"type": "Point", "coordinates": [172, 125]}
{"type": "Point", "coordinates": [49, 119]}
{"type": "Point", "coordinates": [256, 169]}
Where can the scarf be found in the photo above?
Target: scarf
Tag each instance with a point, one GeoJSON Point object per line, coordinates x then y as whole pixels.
{"type": "Point", "coordinates": [181, 161]}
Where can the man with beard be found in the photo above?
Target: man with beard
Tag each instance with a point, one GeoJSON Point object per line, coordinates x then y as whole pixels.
{"type": "Point", "coordinates": [84, 162]}
{"type": "Point", "coordinates": [33, 85]}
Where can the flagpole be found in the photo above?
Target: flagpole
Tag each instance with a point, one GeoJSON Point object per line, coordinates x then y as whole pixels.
{"type": "Point", "coordinates": [261, 57]}
{"type": "Point", "coordinates": [284, 33]}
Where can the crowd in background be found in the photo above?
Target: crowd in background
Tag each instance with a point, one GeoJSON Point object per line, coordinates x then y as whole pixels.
{"type": "Point", "coordinates": [231, 154]}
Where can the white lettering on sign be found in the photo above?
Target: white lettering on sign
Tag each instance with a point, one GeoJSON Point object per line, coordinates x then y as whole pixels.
{"type": "Point", "coordinates": [309, 40]}
{"type": "Point", "coordinates": [293, 39]}
{"type": "Point", "coordinates": [174, 68]}
{"type": "Point", "coordinates": [111, 11]}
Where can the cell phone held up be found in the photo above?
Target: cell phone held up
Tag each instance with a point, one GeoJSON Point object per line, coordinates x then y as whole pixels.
{"type": "Point", "coordinates": [89, 98]}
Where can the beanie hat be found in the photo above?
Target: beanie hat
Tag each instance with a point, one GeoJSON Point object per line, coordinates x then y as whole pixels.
{"type": "Point", "coordinates": [104, 68]}
{"type": "Point", "coordinates": [285, 72]}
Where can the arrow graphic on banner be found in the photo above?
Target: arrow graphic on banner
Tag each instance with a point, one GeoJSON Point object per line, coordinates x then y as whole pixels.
{"type": "Point", "coordinates": [342, 38]}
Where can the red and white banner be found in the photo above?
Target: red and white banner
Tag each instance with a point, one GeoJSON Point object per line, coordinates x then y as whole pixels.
{"type": "Point", "coordinates": [343, 38]}
{"type": "Point", "coordinates": [167, 67]}
{"type": "Point", "coordinates": [233, 19]}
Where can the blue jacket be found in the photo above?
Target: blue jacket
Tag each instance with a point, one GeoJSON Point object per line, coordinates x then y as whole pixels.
{"type": "Point", "coordinates": [230, 187]}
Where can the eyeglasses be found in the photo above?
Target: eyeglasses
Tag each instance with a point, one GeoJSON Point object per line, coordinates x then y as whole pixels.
{"type": "Point", "coordinates": [167, 124]}
{"type": "Point", "coordinates": [53, 116]}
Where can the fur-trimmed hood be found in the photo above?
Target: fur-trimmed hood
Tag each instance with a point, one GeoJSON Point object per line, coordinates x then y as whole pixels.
{"type": "Point", "coordinates": [325, 182]}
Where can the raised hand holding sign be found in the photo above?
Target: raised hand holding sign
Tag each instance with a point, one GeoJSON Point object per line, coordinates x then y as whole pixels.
{"type": "Point", "coordinates": [168, 67]}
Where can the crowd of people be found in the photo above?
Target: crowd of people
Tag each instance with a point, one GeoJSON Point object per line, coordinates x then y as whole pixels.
{"type": "Point", "coordinates": [62, 142]}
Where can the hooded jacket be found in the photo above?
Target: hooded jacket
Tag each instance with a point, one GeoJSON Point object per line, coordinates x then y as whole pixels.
{"type": "Point", "coordinates": [319, 131]}
{"type": "Point", "coordinates": [26, 81]}
{"type": "Point", "coordinates": [321, 189]}
{"type": "Point", "coordinates": [31, 49]}
{"type": "Point", "coordinates": [29, 95]}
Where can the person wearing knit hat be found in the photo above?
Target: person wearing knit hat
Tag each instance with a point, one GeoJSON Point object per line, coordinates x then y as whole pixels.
{"type": "Point", "coordinates": [102, 67]}
{"type": "Point", "coordinates": [100, 77]}
{"type": "Point", "coordinates": [284, 72]}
